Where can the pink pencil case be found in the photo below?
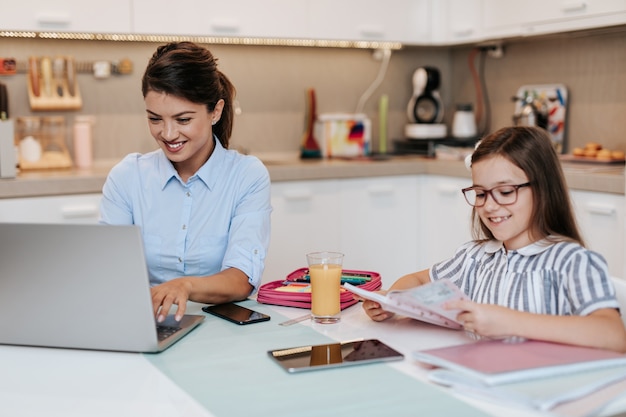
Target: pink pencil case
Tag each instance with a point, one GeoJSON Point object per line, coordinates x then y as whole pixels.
{"type": "Point", "coordinates": [294, 290]}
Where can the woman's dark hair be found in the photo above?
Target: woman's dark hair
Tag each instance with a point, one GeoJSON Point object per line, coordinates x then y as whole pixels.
{"type": "Point", "coordinates": [531, 149]}
{"type": "Point", "coordinates": [189, 71]}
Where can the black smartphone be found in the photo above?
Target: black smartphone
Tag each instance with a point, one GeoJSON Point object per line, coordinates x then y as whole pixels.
{"type": "Point", "coordinates": [236, 313]}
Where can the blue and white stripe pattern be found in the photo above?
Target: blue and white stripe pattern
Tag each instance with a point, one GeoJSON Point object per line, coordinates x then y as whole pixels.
{"type": "Point", "coordinates": [561, 278]}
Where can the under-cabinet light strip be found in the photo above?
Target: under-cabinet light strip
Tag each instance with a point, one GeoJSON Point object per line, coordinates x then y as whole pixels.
{"type": "Point", "coordinates": [215, 40]}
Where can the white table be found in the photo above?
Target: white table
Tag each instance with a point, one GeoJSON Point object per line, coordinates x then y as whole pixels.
{"type": "Point", "coordinates": [62, 382]}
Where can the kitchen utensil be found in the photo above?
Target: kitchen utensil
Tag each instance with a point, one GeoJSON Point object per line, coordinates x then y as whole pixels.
{"type": "Point", "coordinates": [310, 148]}
{"type": "Point", "coordinates": [464, 122]}
{"type": "Point", "coordinates": [4, 102]}
{"type": "Point", "coordinates": [52, 84]}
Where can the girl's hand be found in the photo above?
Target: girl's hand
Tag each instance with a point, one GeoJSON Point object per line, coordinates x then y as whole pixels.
{"type": "Point", "coordinates": [488, 320]}
{"type": "Point", "coordinates": [375, 312]}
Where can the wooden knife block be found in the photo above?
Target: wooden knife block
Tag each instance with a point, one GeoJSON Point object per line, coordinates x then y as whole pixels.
{"type": "Point", "coordinates": [48, 91]}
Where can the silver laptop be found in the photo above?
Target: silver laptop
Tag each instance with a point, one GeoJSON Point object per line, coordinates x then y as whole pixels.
{"type": "Point", "coordinates": [80, 286]}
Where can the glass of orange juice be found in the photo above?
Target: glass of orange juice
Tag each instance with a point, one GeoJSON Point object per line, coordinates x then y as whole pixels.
{"type": "Point", "coordinates": [325, 272]}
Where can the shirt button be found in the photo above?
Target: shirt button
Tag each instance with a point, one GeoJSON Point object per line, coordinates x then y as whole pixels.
{"type": "Point", "coordinates": [180, 260]}
{"type": "Point", "coordinates": [184, 227]}
{"type": "Point", "coordinates": [188, 194]}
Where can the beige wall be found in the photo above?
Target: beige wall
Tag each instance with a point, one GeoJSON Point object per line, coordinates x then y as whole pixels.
{"type": "Point", "coordinates": [271, 84]}
{"type": "Point", "coordinates": [591, 65]}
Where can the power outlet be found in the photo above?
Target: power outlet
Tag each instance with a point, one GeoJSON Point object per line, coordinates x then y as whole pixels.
{"type": "Point", "coordinates": [496, 51]}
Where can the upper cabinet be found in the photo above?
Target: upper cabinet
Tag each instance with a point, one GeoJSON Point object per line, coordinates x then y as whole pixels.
{"type": "Point", "coordinates": [456, 21]}
{"type": "Point", "coordinates": [503, 18]}
{"type": "Point", "coordinates": [233, 18]}
{"type": "Point", "coordinates": [407, 21]}
{"type": "Point", "coordinates": [112, 16]}
{"type": "Point", "coordinates": [411, 22]}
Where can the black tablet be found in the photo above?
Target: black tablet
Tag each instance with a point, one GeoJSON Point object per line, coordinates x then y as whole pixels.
{"type": "Point", "coordinates": [333, 355]}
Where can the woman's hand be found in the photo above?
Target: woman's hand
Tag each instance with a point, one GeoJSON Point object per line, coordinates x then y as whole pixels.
{"type": "Point", "coordinates": [174, 292]}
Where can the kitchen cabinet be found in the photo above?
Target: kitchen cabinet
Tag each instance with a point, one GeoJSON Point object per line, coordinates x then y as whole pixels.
{"type": "Point", "coordinates": [371, 20]}
{"type": "Point", "coordinates": [82, 208]}
{"type": "Point", "coordinates": [306, 217]}
{"type": "Point", "coordinates": [532, 17]}
{"type": "Point", "coordinates": [445, 222]}
{"type": "Point", "coordinates": [457, 21]}
{"type": "Point", "coordinates": [601, 221]}
{"type": "Point", "coordinates": [234, 18]}
{"type": "Point", "coordinates": [373, 221]}
{"type": "Point", "coordinates": [112, 16]}
{"type": "Point", "coordinates": [379, 225]}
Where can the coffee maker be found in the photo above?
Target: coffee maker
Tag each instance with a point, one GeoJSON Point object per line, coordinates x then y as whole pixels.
{"type": "Point", "coordinates": [425, 109]}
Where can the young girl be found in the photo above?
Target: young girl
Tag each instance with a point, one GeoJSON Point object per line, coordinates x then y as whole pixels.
{"type": "Point", "coordinates": [527, 273]}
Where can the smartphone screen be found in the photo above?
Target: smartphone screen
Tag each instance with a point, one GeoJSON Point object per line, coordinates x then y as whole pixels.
{"type": "Point", "coordinates": [236, 313]}
{"type": "Point", "coordinates": [332, 355]}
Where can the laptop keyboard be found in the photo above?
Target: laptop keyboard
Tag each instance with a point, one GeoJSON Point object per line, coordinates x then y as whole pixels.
{"type": "Point", "coordinates": [163, 332]}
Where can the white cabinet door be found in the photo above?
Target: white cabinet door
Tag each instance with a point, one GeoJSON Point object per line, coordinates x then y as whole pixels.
{"type": "Point", "coordinates": [371, 20]}
{"type": "Point", "coordinates": [232, 18]}
{"type": "Point", "coordinates": [111, 16]}
{"type": "Point", "coordinates": [457, 21]}
{"type": "Point", "coordinates": [83, 208]}
{"type": "Point", "coordinates": [305, 218]}
{"type": "Point", "coordinates": [514, 17]}
{"type": "Point", "coordinates": [601, 220]}
{"type": "Point", "coordinates": [445, 223]}
{"type": "Point", "coordinates": [379, 229]}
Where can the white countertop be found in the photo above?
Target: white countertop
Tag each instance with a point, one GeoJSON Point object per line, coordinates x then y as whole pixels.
{"type": "Point", "coordinates": [289, 167]}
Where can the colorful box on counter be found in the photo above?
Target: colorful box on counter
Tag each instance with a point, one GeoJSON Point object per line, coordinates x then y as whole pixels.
{"type": "Point", "coordinates": [344, 135]}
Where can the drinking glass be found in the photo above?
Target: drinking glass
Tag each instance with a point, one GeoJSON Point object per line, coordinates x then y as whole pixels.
{"type": "Point", "coordinates": [325, 274]}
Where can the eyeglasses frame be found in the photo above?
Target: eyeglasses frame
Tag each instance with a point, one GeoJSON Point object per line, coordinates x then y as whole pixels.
{"type": "Point", "coordinates": [516, 187]}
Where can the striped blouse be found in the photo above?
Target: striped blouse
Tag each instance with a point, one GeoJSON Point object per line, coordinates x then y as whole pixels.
{"type": "Point", "coordinates": [560, 278]}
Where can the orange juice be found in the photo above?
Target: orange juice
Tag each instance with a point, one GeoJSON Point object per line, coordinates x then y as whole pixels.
{"type": "Point", "coordinates": [325, 291]}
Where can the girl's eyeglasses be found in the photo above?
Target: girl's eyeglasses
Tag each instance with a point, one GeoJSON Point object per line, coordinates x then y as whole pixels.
{"type": "Point", "coordinates": [504, 195]}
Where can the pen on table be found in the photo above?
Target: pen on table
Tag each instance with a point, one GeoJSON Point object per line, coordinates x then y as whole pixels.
{"type": "Point", "coordinates": [344, 278]}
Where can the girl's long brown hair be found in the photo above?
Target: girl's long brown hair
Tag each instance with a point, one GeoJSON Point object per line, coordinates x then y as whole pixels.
{"type": "Point", "coordinates": [531, 149]}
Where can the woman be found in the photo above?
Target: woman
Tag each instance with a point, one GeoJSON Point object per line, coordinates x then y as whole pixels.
{"type": "Point", "coordinates": [204, 210]}
{"type": "Point", "coordinates": [527, 273]}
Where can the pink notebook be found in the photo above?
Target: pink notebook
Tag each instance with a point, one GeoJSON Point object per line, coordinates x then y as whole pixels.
{"type": "Point", "coordinates": [495, 362]}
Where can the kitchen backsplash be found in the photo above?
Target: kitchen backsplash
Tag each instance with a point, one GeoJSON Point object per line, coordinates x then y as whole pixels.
{"type": "Point", "coordinates": [271, 83]}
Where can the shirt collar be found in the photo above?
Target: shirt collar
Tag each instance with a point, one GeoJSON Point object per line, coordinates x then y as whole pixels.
{"type": "Point", "coordinates": [534, 248]}
{"type": "Point", "coordinates": [207, 173]}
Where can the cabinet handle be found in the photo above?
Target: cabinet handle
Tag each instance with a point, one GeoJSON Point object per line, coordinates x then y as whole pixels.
{"type": "Point", "coordinates": [380, 189]}
{"type": "Point", "coordinates": [372, 32]}
{"type": "Point", "coordinates": [80, 211]}
{"type": "Point", "coordinates": [298, 195]}
{"type": "Point", "coordinates": [448, 189]}
{"type": "Point", "coordinates": [573, 6]}
{"type": "Point", "coordinates": [54, 18]}
{"type": "Point", "coordinates": [600, 209]}
{"type": "Point", "coordinates": [463, 33]}
{"type": "Point", "coordinates": [226, 26]}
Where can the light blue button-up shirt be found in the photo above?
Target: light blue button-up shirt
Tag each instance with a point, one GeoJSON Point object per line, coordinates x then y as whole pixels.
{"type": "Point", "coordinates": [219, 219]}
